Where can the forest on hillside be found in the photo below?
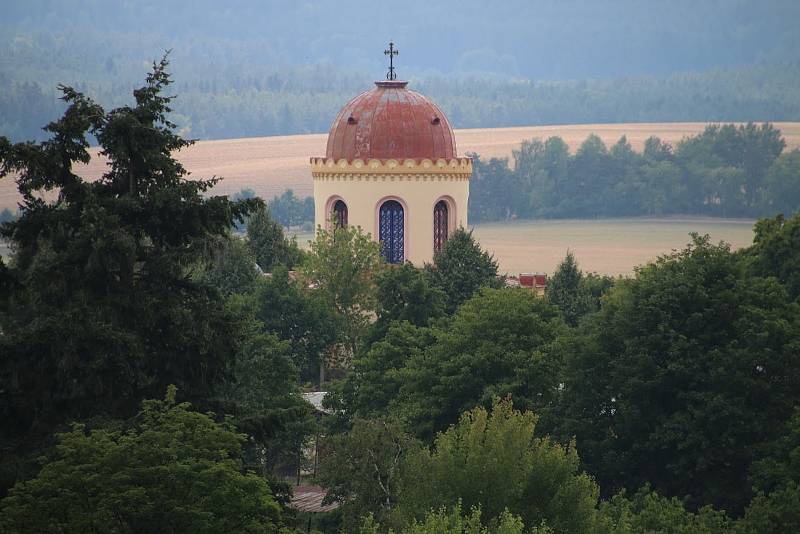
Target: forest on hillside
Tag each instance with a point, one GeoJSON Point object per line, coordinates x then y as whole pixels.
{"type": "Point", "coordinates": [152, 365]}
{"type": "Point", "coordinates": [252, 68]}
{"type": "Point", "coordinates": [294, 101]}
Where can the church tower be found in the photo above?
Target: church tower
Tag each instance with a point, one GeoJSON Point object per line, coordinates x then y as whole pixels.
{"type": "Point", "coordinates": [391, 167]}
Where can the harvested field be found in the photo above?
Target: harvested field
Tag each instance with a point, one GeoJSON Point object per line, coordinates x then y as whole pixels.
{"type": "Point", "coordinates": [607, 246]}
{"type": "Point", "coordinates": [611, 246]}
{"type": "Point", "coordinates": [604, 246]}
{"type": "Point", "coordinates": [270, 165]}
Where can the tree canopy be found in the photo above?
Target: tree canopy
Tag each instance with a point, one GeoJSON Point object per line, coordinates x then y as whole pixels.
{"type": "Point", "coordinates": [343, 264]}
{"type": "Point", "coordinates": [171, 470]}
{"type": "Point", "coordinates": [691, 355]}
{"type": "Point", "coordinates": [493, 460]}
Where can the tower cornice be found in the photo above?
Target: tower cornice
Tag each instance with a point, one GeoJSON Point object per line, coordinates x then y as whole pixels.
{"type": "Point", "coordinates": [452, 166]}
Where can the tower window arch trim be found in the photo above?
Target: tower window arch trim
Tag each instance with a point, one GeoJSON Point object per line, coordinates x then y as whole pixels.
{"type": "Point", "coordinates": [445, 220]}
{"type": "Point", "coordinates": [392, 229]}
{"type": "Point", "coordinates": [340, 213]}
{"type": "Point", "coordinates": [441, 225]}
{"type": "Point", "coordinates": [336, 211]}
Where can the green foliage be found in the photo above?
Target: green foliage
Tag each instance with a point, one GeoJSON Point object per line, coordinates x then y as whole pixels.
{"type": "Point", "coordinates": [775, 475]}
{"type": "Point", "coordinates": [775, 513]}
{"type": "Point", "coordinates": [362, 468]}
{"type": "Point", "coordinates": [268, 244]}
{"type": "Point", "coordinates": [783, 184]}
{"type": "Point", "coordinates": [404, 293]}
{"type": "Point", "coordinates": [378, 375]}
{"type": "Point", "coordinates": [455, 521]}
{"type": "Point", "coordinates": [461, 268]}
{"type": "Point", "coordinates": [494, 461]}
{"type": "Point", "coordinates": [648, 512]}
{"type": "Point", "coordinates": [501, 342]}
{"type": "Point", "coordinates": [294, 314]}
{"type": "Point", "coordinates": [686, 368]}
{"type": "Point", "coordinates": [342, 265]}
{"type": "Point", "coordinates": [776, 251]}
{"type": "Point", "coordinates": [778, 462]}
{"type": "Point", "coordinates": [574, 293]}
{"type": "Point", "coordinates": [290, 211]}
{"type": "Point", "coordinates": [173, 470]}
{"type": "Point", "coordinates": [231, 267]}
{"type": "Point", "coordinates": [262, 394]}
{"type": "Point", "coordinates": [102, 311]}
{"type": "Point", "coordinates": [564, 290]}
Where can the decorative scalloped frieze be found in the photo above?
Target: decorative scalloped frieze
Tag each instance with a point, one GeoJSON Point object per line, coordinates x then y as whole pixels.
{"type": "Point", "coordinates": [459, 166]}
{"type": "Point", "coordinates": [389, 177]}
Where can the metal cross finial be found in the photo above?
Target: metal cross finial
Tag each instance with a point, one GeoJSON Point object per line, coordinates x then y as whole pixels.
{"type": "Point", "coordinates": [391, 53]}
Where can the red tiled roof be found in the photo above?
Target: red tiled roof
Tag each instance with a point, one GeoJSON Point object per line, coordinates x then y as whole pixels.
{"type": "Point", "coordinates": [309, 499]}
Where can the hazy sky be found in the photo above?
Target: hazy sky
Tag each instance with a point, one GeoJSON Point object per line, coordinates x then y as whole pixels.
{"type": "Point", "coordinates": [552, 39]}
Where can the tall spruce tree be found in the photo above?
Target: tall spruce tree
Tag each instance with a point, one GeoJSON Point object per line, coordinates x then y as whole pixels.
{"type": "Point", "coordinates": [461, 268]}
{"type": "Point", "coordinates": [565, 290]}
{"type": "Point", "coordinates": [99, 309]}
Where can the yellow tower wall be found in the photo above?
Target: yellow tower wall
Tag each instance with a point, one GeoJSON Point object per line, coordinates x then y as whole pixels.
{"type": "Point", "coordinates": [418, 186]}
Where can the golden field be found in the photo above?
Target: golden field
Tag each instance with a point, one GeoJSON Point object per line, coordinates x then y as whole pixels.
{"type": "Point", "coordinates": [270, 165]}
{"type": "Point", "coordinates": [608, 246]}
{"type": "Point", "coordinates": [605, 246]}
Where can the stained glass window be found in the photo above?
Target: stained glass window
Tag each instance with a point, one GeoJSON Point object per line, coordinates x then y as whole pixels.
{"type": "Point", "coordinates": [439, 226]}
{"type": "Point", "coordinates": [391, 231]}
{"type": "Point", "coordinates": [340, 213]}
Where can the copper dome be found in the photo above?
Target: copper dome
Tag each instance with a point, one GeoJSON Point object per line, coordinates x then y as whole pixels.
{"type": "Point", "coordinates": [391, 122]}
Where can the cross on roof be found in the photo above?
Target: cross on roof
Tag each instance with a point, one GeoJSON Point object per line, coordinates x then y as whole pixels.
{"type": "Point", "coordinates": [391, 53]}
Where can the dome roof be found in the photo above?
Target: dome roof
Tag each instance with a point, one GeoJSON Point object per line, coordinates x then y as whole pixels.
{"type": "Point", "coordinates": [391, 122]}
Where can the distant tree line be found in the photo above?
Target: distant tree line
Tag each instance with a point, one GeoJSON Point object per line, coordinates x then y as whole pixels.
{"type": "Point", "coordinates": [269, 101]}
{"type": "Point", "coordinates": [726, 171]}
{"type": "Point", "coordinates": [287, 209]}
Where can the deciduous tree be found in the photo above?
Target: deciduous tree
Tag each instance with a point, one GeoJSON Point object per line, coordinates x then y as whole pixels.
{"type": "Point", "coordinates": [683, 372]}
{"type": "Point", "coordinates": [500, 342]}
{"type": "Point", "coordinates": [362, 468]}
{"type": "Point", "coordinates": [495, 461]}
{"type": "Point", "coordinates": [343, 265]}
{"type": "Point", "coordinates": [405, 293]}
{"type": "Point", "coordinates": [172, 470]}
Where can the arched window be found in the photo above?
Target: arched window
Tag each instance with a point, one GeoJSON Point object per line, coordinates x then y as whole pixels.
{"type": "Point", "coordinates": [340, 214]}
{"type": "Point", "coordinates": [391, 231]}
{"type": "Point", "coordinates": [439, 226]}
